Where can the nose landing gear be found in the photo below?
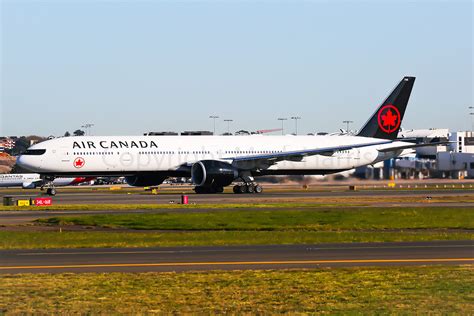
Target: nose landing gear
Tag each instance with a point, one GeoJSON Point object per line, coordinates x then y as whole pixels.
{"type": "Point", "coordinates": [51, 191]}
{"type": "Point", "coordinates": [49, 184]}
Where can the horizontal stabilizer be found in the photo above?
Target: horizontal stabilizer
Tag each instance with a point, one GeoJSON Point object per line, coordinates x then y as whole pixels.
{"type": "Point", "coordinates": [384, 150]}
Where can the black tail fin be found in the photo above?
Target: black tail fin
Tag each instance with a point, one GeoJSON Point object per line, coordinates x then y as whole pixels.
{"type": "Point", "coordinates": [385, 122]}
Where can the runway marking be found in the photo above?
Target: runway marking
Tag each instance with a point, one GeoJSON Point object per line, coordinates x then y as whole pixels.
{"type": "Point", "coordinates": [224, 263]}
{"type": "Point", "coordinates": [229, 250]}
{"type": "Point", "coordinates": [391, 247]}
{"type": "Point", "coordinates": [126, 252]}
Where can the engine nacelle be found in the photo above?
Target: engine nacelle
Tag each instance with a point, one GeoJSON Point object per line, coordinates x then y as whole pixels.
{"type": "Point", "coordinates": [213, 173]}
{"type": "Point", "coordinates": [28, 185]}
{"type": "Point", "coordinates": [144, 180]}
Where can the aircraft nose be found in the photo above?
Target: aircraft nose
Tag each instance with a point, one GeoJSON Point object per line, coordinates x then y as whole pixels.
{"type": "Point", "coordinates": [26, 162]}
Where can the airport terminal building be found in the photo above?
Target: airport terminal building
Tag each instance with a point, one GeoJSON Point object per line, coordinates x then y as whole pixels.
{"type": "Point", "coordinates": [455, 160]}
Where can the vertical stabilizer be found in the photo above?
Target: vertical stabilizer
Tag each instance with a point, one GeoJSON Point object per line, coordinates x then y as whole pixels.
{"type": "Point", "coordinates": [386, 121]}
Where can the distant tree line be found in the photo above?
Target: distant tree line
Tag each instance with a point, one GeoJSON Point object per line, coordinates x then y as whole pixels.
{"type": "Point", "coordinates": [22, 144]}
{"type": "Point", "coordinates": [77, 132]}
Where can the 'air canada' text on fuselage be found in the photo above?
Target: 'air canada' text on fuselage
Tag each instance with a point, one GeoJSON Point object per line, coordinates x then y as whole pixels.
{"type": "Point", "coordinates": [105, 144]}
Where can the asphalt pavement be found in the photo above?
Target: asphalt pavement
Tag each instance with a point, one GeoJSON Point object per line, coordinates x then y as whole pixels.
{"type": "Point", "coordinates": [235, 257]}
{"type": "Point", "coordinates": [91, 197]}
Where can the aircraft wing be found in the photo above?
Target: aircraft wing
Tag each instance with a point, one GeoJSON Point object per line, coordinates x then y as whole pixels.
{"type": "Point", "coordinates": [388, 149]}
{"type": "Point", "coordinates": [266, 160]}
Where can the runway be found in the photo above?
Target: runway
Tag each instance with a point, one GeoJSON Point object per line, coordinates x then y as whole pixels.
{"type": "Point", "coordinates": [235, 257]}
{"type": "Point", "coordinates": [105, 197]}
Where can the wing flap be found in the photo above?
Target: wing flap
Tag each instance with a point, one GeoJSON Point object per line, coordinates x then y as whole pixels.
{"type": "Point", "coordinates": [265, 160]}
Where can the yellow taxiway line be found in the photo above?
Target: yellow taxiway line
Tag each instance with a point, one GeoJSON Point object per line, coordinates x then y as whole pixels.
{"type": "Point", "coordinates": [227, 263]}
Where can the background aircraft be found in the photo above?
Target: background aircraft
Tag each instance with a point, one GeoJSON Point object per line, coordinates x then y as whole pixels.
{"type": "Point", "coordinates": [33, 180]}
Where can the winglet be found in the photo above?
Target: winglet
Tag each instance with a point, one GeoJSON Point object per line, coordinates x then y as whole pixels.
{"type": "Point", "coordinates": [386, 121]}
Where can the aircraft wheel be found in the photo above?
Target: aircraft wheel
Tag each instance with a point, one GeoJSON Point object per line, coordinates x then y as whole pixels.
{"type": "Point", "coordinates": [208, 190]}
{"type": "Point", "coordinates": [250, 188]}
{"type": "Point", "coordinates": [258, 188]}
{"type": "Point", "coordinates": [242, 188]}
{"type": "Point", "coordinates": [236, 189]}
{"type": "Point", "coordinates": [199, 190]}
{"type": "Point", "coordinates": [215, 189]}
{"type": "Point", "coordinates": [51, 191]}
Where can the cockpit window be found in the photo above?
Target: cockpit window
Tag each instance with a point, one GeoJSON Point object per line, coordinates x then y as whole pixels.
{"type": "Point", "coordinates": [34, 152]}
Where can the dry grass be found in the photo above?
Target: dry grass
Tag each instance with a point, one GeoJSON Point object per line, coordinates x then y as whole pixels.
{"type": "Point", "coordinates": [400, 290]}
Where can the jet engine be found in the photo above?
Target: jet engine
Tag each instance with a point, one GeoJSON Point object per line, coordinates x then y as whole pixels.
{"type": "Point", "coordinates": [144, 180]}
{"type": "Point", "coordinates": [214, 173]}
{"type": "Point", "coordinates": [28, 185]}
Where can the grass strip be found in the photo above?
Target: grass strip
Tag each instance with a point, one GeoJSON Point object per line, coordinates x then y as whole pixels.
{"type": "Point", "coordinates": [88, 239]}
{"type": "Point", "coordinates": [258, 202]}
{"type": "Point", "coordinates": [316, 219]}
{"type": "Point", "coordinates": [374, 290]}
{"type": "Point", "coordinates": [102, 207]}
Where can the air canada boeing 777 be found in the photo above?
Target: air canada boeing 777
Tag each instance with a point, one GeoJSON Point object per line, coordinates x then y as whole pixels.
{"type": "Point", "coordinates": [214, 162]}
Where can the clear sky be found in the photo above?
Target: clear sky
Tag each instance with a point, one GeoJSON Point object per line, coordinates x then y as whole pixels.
{"type": "Point", "coordinates": [136, 66]}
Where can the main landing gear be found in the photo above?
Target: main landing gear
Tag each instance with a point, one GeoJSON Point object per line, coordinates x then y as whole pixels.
{"type": "Point", "coordinates": [248, 185]}
{"type": "Point", "coordinates": [248, 188]}
{"type": "Point", "coordinates": [240, 188]}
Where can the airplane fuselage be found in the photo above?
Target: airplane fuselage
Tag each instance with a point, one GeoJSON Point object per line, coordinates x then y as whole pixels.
{"type": "Point", "coordinates": [173, 155]}
{"type": "Point", "coordinates": [214, 162]}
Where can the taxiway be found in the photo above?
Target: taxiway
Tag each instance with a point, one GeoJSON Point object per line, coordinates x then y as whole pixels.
{"type": "Point", "coordinates": [235, 257]}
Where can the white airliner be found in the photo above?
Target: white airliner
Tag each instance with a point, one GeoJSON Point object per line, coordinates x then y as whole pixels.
{"type": "Point", "coordinates": [34, 180]}
{"type": "Point", "coordinates": [214, 162]}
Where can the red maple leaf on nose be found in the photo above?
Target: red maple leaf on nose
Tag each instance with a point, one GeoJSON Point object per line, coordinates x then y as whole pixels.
{"type": "Point", "coordinates": [79, 162]}
{"type": "Point", "coordinates": [389, 119]}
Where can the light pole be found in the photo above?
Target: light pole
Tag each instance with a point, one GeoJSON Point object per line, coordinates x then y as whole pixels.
{"type": "Point", "coordinates": [471, 108]}
{"type": "Point", "coordinates": [296, 118]}
{"type": "Point", "coordinates": [228, 125]}
{"type": "Point", "coordinates": [347, 122]}
{"type": "Point", "coordinates": [214, 117]}
{"type": "Point", "coordinates": [282, 119]}
{"type": "Point", "coordinates": [87, 127]}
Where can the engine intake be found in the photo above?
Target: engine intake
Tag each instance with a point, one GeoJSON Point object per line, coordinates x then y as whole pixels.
{"type": "Point", "coordinates": [213, 173]}
{"type": "Point", "coordinates": [28, 185]}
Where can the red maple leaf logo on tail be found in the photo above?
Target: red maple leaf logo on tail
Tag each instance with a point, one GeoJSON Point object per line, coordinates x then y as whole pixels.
{"type": "Point", "coordinates": [389, 119]}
